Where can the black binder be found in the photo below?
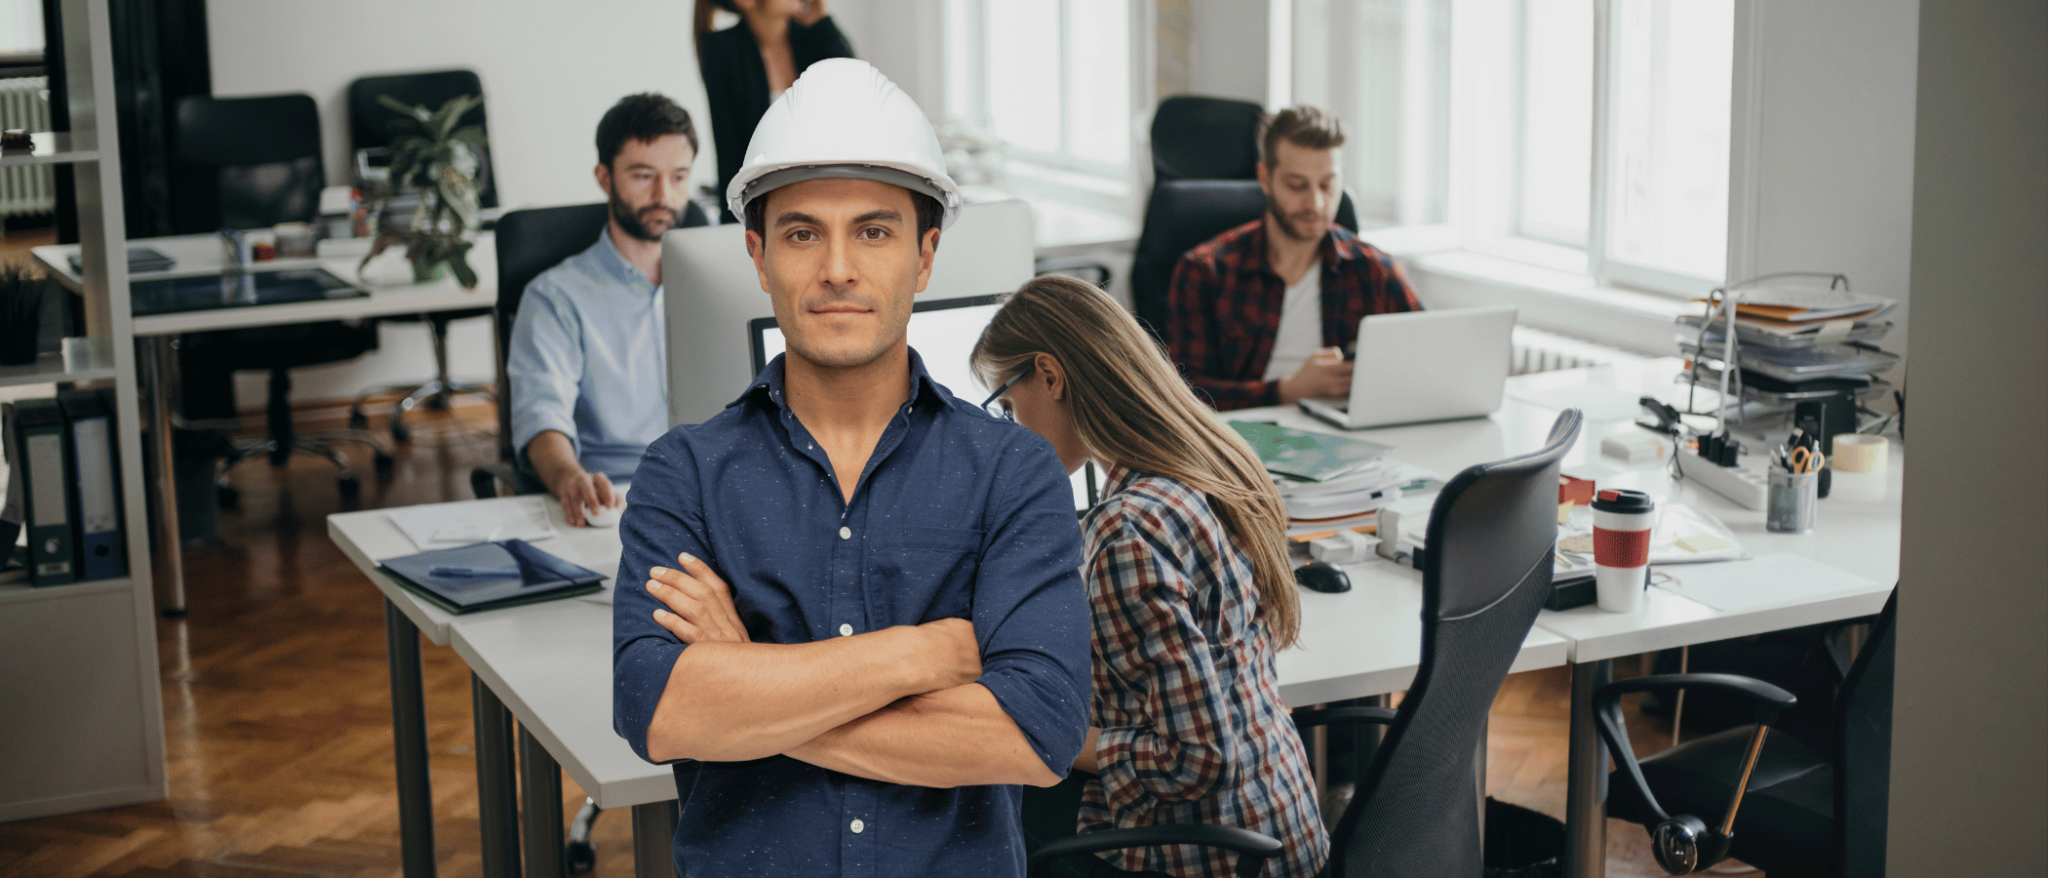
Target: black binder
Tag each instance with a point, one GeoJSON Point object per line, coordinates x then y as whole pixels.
{"type": "Point", "coordinates": [47, 471]}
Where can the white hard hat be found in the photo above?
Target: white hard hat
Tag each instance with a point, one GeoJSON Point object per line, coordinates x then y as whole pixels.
{"type": "Point", "coordinates": [843, 118]}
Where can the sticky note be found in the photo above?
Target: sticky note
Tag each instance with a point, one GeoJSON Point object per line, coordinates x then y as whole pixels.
{"type": "Point", "coordinates": [1703, 543]}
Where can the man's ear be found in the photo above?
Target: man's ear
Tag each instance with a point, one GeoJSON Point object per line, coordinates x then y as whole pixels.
{"type": "Point", "coordinates": [1265, 179]}
{"type": "Point", "coordinates": [1049, 371]}
{"type": "Point", "coordinates": [603, 173]}
{"type": "Point", "coordinates": [757, 247]}
{"type": "Point", "coordinates": [927, 249]}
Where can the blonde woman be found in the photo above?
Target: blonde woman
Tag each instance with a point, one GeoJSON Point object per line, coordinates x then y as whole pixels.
{"type": "Point", "coordinates": [1189, 587]}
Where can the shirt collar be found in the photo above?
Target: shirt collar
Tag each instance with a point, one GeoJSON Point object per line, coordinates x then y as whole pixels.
{"type": "Point", "coordinates": [768, 385]}
{"type": "Point", "coordinates": [1255, 262]}
{"type": "Point", "coordinates": [1115, 479]}
{"type": "Point", "coordinates": [614, 262]}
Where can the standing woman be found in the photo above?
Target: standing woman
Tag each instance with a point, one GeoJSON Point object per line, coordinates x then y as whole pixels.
{"type": "Point", "coordinates": [747, 66]}
{"type": "Point", "coordinates": [1189, 586]}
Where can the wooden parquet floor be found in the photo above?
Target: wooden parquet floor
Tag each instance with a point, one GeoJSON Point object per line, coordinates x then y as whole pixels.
{"type": "Point", "coordinates": [277, 714]}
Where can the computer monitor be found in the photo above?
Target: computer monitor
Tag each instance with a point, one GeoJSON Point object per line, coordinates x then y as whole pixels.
{"type": "Point", "coordinates": [943, 332]}
{"type": "Point", "coordinates": [713, 293]}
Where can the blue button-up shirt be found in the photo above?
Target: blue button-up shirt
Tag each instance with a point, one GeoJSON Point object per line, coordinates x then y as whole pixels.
{"type": "Point", "coordinates": [589, 359]}
{"type": "Point", "coordinates": [958, 515]}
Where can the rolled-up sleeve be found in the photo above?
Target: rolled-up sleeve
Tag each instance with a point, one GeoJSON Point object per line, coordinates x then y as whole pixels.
{"type": "Point", "coordinates": [545, 366]}
{"type": "Point", "coordinates": [663, 519]}
{"type": "Point", "coordinates": [1030, 613]}
{"type": "Point", "coordinates": [1147, 635]}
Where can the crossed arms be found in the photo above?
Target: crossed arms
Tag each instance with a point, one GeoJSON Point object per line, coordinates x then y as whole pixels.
{"type": "Point", "coordinates": [899, 705]}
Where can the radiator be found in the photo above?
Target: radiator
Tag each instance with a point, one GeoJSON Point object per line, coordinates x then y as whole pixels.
{"type": "Point", "coordinates": [1538, 351]}
{"type": "Point", "coordinates": [26, 189]}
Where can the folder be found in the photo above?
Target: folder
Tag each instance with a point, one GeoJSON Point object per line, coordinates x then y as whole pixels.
{"type": "Point", "coordinates": [505, 573]}
{"type": "Point", "coordinates": [11, 512]}
{"type": "Point", "coordinates": [52, 550]}
{"type": "Point", "coordinates": [96, 490]}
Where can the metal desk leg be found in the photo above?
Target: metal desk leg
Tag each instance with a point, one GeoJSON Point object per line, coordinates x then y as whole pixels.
{"type": "Point", "coordinates": [409, 743]}
{"type": "Point", "coordinates": [540, 809]}
{"type": "Point", "coordinates": [161, 362]}
{"type": "Point", "coordinates": [1585, 824]}
{"type": "Point", "coordinates": [654, 839]}
{"type": "Point", "coordinates": [496, 792]}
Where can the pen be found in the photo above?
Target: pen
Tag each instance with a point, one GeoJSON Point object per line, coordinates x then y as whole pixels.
{"type": "Point", "coordinates": [453, 572]}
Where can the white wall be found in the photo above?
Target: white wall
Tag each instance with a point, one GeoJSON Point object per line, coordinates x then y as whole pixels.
{"type": "Point", "coordinates": [549, 69]}
{"type": "Point", "coordinates": [1969, 778]}
{"type": "Point", "coordinates": [1830, 125]}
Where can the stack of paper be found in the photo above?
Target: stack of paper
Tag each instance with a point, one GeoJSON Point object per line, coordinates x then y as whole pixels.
{"type": "Point", "coordinates": [1805, 305]}
{"type": "Point", "coordinates": [448, 526]}
{"type": "Point", "coordinates": [1307, 456]}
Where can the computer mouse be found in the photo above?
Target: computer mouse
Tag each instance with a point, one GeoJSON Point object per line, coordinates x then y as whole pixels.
{"type": "Point", "coordinates": [1323, 577]}
{"type": "Point", "coordinates": [605, 516]}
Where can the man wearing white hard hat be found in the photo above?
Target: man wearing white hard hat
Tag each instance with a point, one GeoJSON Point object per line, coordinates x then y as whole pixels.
{"type": "Point", "coordinates": [849, 610]}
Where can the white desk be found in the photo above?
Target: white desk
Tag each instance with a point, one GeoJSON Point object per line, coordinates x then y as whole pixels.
{"type": "Point", "coordinates": [389, 282]}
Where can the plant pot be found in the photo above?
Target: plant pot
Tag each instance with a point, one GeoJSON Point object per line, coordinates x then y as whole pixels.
{"type": "Point", "coordinates": [18, 342]}
{"type": "Point", "coordinates": [426, 274]}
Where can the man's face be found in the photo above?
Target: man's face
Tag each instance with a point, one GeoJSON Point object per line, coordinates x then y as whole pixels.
{"type": "Point", "coordinates": [647, 184]}
{"type": "Point", "coordinates": [842, 261]}
{"type": "Point", "coordinates": [1303, 188]}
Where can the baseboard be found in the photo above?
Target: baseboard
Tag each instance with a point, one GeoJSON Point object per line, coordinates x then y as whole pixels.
{"type": "Point", "coordinates": [93, 801]}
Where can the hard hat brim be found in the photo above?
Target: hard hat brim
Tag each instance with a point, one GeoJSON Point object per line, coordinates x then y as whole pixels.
{"type": "Point", "coordinates": [948, 199]}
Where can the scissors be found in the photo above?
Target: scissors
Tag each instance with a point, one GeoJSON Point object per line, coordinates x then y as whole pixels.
{"type": "Point", "coordinates": [1806, 460]}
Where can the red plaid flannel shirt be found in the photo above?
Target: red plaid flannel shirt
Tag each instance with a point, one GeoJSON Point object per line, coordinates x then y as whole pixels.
{"type": "Point", "coordinates": [1223, 308]}
{"type": "Point", "coordinates": [1186, 694]}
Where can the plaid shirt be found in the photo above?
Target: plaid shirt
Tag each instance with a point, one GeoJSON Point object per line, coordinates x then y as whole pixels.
{"type": "Point", "coordinates": [1223, 308]}
{"type": "Point", "coordinates": [1186, 695]}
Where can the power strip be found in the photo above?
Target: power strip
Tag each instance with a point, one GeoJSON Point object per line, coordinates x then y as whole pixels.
{"type": "Point", "coordinates": [1744, 486]}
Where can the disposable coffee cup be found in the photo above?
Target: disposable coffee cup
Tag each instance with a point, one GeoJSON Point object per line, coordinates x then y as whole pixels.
{"type": "Point", "coordinates": [1621, 548]}
{"type": "Point", "coordinates": [1861, 463]}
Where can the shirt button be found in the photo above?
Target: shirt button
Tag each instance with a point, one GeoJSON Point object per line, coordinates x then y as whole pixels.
{"type": "Point", "coordinates": [846, 533]}
{"type": "Point", "coordinates": [845, 630]}
{"type": "Point", "coordinates": [858, 826]}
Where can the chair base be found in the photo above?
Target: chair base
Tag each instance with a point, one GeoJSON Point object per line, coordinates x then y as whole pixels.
{"type": "Point", "coordinates": [433, 394]}
{"type": "Point", "coordinates": [319, 444]}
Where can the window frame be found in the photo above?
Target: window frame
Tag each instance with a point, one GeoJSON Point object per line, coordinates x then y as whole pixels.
{"type": "Point", "coordinates": [970, 98]}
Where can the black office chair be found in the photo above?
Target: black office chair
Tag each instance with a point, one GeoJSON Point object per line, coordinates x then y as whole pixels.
{"type": "Point", "coordinates": [1491, 539]}
{"type": "Point", "coordinates": [1180, 216]}
{"type": "Point", "coordinates": [264, 153]}
{"type": "Point", "coordinates": [1801, 813]}
{"type": "Point", "coordinates": [1204, 138]}
{"type": "Point", "coordinates": [370, 126]}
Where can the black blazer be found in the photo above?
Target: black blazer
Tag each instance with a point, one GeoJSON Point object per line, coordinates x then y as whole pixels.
{"type": "Point", "coordinates": [736, 83]}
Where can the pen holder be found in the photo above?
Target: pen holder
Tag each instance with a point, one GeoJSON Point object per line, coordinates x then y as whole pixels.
{"type": "Point", "coordinates": [1791, 500]}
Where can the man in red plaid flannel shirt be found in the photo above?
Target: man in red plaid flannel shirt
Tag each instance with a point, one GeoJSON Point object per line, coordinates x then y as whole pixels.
{"type": "Point", "coordinates": [1260, 314]}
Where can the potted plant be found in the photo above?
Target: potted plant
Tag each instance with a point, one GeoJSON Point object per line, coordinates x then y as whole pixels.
{"type": "Point", "coordinates": [438, 162]}
{"type": "Point", "coordinates": [21, 311]}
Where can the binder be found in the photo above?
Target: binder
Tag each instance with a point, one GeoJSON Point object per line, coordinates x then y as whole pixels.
{"type": "Point", "coordinates": [96, 490]}
{"type": "Point", "coordinates": [11, 512]}
{"type": "Point", "coordinates": [529, 574]}
{"type": "Point", "coordinates": [52, 549]}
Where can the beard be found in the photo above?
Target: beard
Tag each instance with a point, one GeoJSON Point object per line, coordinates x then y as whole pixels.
{"type": "Point", "coordinates": [1308, 230]}
{"type": "Point", "coordinates": [645, 229]}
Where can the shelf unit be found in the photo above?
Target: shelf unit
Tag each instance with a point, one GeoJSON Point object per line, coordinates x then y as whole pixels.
{"type": "Point", "coordinates": [81, 697]}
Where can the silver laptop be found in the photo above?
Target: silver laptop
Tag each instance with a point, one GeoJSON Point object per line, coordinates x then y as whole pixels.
{"type": "Point", "coordinates": [1424, 366]}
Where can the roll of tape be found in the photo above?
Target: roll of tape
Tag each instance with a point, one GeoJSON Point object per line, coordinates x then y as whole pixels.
{"type": "Point", "coordinates": [1860, 453]}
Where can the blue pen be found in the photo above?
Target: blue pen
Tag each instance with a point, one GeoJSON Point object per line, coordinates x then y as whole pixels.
{"type": "Point", "coordinates": [452, 572]}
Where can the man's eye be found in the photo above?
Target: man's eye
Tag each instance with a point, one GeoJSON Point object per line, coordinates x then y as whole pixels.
{"type": "Point", "coordinates": [800, 235]}
{"type": "Point", "coordinates": [873, 234]}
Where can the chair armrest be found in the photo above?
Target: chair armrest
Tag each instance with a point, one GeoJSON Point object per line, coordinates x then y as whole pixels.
{"type": "Point", "coordinates": [1614, 729]}
{"type": "Point", "coordinates": [1253, 849]}
{"type": "Point", "coordinates": [484, 480]}
{"type": "Point", "coordinates": [1077, 265]}
{"type": "Point", "coordinates": [1304, 719]}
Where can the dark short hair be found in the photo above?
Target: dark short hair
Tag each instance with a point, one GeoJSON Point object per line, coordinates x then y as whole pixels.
{"type": "Point", "coordinates": [643, 117]}
{"type": "Point", "coordinates": [1302, 125]}
{"type": "Point", "coordinates": [927, 207]}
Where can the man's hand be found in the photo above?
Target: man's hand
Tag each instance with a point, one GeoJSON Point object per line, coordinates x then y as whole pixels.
{"type": "Point", "coordinates": [1326, 375]}
{"type": "Point", "coordinates": [582, 492]}
{"type": "Point", "coordinates": [700, 607]}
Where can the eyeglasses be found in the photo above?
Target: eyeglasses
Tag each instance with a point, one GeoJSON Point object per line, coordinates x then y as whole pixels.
{"type": "Point", "coordinates": [1002, 409]}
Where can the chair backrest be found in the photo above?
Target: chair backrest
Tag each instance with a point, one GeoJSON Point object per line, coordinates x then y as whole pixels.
{"type": "Point", "coordinates": [532, 241]}
{"type": "Point", "coordinates": [1204, 138]}
{"type": "Point", "coordinates": [1486, 570]}
{"type": "Point", "coordinates": [370, 122]}
{"type": "Point", "coordinates": [1180, 216]}
{"type": "Point", "coordinates": [262, 152]}
{"type": "Point", "coordinates": [1863, 750]}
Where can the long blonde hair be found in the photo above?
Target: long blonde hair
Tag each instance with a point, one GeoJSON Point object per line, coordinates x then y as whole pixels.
{"type": "Point", "coordinates": [1132, 409]}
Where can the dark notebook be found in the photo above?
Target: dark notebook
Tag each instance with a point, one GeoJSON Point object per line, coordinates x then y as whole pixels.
{"type": "Point", "coordinates": [486, 576]}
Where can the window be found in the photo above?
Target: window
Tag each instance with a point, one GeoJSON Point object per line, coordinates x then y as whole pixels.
{"type": "Point", "coordinates": [21, 28]}
{"type": "Point", "coordinates": [1051, 78]}
{"type": "Point", "coordinates": [1384, 67]}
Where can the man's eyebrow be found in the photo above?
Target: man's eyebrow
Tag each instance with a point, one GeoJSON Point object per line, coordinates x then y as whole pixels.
{"type": "Point", "coordinates": [793, 217]}
{"type": "Point", "coordinates": [879, 215]}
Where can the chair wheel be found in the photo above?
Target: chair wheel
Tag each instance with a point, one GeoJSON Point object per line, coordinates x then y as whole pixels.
{"type": "Point", "coordinates": [582, 857]}
{"type": "Point", "coordinates": [350, 487]}
{"type": "Point", "coordinates": [400, 432]}
{"type": "Point", "coordinates": [357, 420]}
{"type": "Point", "coordinates": [229, 496]}
{"type": "Point", "coordinates": [384, 464]}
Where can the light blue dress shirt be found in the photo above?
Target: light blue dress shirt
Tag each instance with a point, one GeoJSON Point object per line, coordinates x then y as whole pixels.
{"type": "Point", "coordinates": [589, 358]}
